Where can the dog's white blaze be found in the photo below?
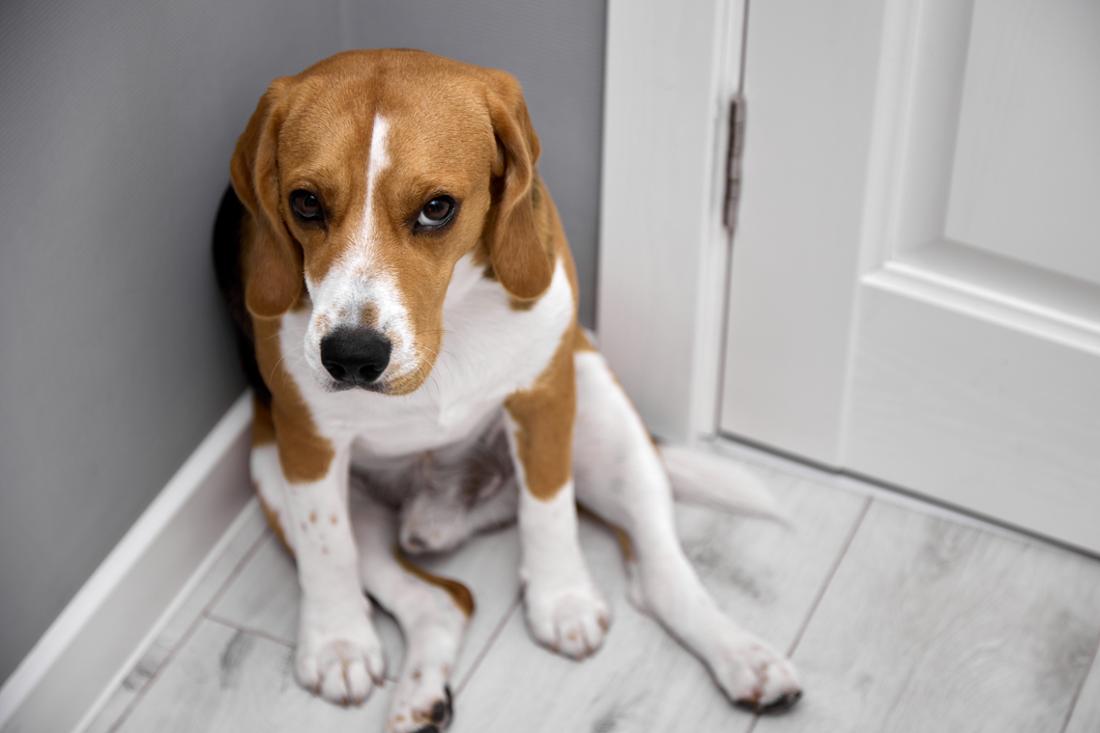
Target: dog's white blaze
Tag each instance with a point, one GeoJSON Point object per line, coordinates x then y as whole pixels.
{"type": "Point", "coordinates": [378, 161]}
{"type": "Point", "coordinates": [357, 279]}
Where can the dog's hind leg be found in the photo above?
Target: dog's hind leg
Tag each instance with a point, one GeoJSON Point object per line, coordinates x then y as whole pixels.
{"type": "Point", "coordinates": [620, 478]}
{"type": "Point", "coordinates": [432, 611]}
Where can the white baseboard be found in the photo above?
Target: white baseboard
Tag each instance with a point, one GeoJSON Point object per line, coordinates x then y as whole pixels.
{"type": "Point", "coordinates": [69, 667]}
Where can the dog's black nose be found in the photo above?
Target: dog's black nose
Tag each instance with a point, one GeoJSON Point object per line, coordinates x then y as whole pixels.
{"type": "Point", "coordinates": [355, 356]}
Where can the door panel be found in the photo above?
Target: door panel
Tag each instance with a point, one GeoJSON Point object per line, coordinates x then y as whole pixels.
{"type": "Point", "coordinates": [1027, 145]}
{"type": "Point", "coordinates": [916, 281]}
{"type": "Point", "coordinates": [975, 413]}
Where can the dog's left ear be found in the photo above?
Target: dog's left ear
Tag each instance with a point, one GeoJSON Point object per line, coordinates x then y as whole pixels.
{"type": "Point", "coordinates": [521, 260]}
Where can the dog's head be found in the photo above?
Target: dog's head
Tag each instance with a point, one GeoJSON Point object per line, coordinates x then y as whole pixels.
{"type": "Point", "coordinates": [367, 177]}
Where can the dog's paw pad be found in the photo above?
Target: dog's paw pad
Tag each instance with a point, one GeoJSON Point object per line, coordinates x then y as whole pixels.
{"type": "Point", "coordinates": [570, 621]}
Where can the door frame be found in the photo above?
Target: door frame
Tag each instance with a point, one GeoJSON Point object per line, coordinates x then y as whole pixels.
{"type": "Point", "coordinates": [663, 250]}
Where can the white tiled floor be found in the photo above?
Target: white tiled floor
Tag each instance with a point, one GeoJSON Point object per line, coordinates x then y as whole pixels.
{"type": "Point", "coordinates": [901, 617]}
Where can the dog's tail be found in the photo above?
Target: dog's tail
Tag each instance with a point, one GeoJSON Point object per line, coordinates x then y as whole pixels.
{"type": "Point", "coordinates": [701, 478]}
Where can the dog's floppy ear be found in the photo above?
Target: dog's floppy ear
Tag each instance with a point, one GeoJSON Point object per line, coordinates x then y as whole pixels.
{"type": "Point", "coordinates": [273, 260]}
{"type": "Point", "coordinates": [521, 261]}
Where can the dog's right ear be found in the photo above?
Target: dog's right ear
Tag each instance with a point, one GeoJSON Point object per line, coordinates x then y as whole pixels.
{"type": "Point", "coordinates": [521, 260]}
{"type": "Point", "coordinates": [272, 258]}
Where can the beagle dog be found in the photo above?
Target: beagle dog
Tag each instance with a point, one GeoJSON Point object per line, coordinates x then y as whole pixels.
{"type": "Point", "coordinates": [406, 306]}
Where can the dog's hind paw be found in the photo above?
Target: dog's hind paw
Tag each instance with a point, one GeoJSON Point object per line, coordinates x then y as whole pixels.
{"type": "Point", "coordinates": [422, 702]}
{"type": "Point", "coordinates": [756, 677]}
{"type": "Point", "coordinates": [432, 714]}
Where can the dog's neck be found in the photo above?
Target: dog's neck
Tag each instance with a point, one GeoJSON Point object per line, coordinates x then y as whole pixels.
{"type": "Point", "coordinates": [466, 276]}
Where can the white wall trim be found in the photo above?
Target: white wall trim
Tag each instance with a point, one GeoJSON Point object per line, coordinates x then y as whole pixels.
{"type": "Point", "coordinates": [64, 674]}
{"type": "Point", "coordinates": [671, 71]}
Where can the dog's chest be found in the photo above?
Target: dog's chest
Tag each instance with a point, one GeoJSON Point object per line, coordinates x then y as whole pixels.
{"type": "Point", "coordinates": [490, 350]}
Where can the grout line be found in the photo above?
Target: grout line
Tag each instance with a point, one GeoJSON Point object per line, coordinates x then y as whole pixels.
{"type": "Point", "coordinates": [235, 572]}
{"type": "Point", "coordinates": [139, 694]}
{"type": "Point", "coordinates": [829, 578]}
{"type": "Point", "coordinates": [223, 621]}
{"type": "Point", "coordinates": [822, 590]}
{"type": "Point", "coordinates": [1080, 688]}
{"type": "Point", "coordinates": [488, 645]}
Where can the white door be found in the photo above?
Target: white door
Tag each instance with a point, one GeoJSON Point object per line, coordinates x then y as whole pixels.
{"type": "Point", "coordinates": [915, 290]}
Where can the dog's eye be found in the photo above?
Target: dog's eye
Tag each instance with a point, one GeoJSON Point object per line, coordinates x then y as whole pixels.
{"type": "Point", "coordinates": [306, 206]}
{"type": "Point", "coordinates": [436, 213]}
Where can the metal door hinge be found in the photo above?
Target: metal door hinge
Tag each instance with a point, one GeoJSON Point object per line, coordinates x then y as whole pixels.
{"type": "Point", "coordinates": [734, 151]}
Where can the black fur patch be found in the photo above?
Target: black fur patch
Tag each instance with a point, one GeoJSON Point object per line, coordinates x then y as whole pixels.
{"type": "Point", "coordinates": [227, 268]}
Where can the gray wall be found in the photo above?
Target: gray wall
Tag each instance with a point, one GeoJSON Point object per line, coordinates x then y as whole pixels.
{"type": "Point", "coordinates": [116, 122]}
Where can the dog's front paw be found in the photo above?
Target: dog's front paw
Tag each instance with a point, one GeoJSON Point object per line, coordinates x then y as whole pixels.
{"type": "Point", "coordinates": [339, 657]}
{"type": "Point", "coordinates": [755, 676]}
{"type": "Point", "coordinates": [571, 620]}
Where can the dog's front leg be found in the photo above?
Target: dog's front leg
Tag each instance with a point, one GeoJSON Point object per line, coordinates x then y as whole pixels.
{"type": "Point", "coordinates": [565, 612]}
{"type": "Point", "coordinates": [339, 656]}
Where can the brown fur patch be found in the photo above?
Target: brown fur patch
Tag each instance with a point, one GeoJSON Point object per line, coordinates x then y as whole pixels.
{"type": "Point", "coordinates": [271, 258]}
{"type": "Point", "coordinates": [544, 424]}
{"type": "Point", "coordinates": [368, 316]}
{"type": "Point", "coordinates": [581, 342]}
{"type": "Point", "coordinates": [522, 258]}
{"type": "Point", "coordinates": [544, 413]}
{"type": "Point", "coordinates": [458, 592]}
{"type": "Point", "coordinates": [517, 304]}
{"type": "Point", "coordinates": [263, 429]}
{"type": "Point", "coordinates": [304, 454]}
